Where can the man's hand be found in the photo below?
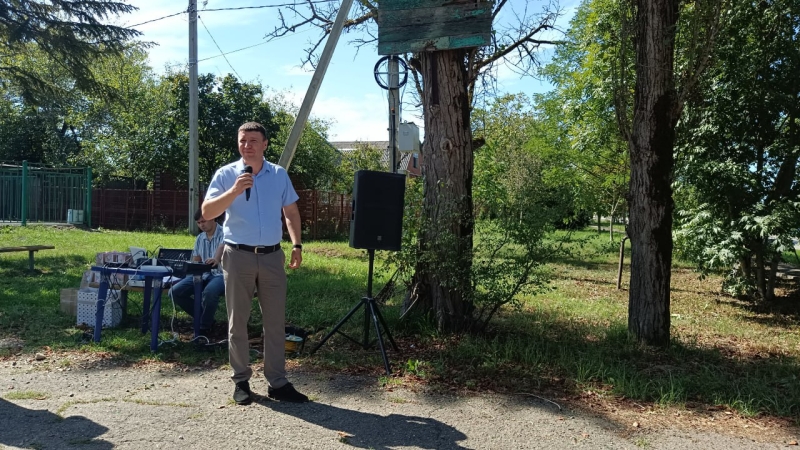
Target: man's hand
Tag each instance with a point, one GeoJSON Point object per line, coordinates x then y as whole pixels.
{"type": "Point", "coordinates": [243, 182]}
{"type": "Point", "coordinates": [211, 261]}
{"type": "Point", "coordinates": [296, 258]}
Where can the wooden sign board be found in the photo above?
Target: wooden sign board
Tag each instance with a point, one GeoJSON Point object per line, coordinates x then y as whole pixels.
{"type": "Point", "coordinates": [406, 26]}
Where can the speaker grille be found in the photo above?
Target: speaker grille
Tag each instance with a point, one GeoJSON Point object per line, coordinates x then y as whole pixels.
{"type": "Point", "coordinates": [378, 200]}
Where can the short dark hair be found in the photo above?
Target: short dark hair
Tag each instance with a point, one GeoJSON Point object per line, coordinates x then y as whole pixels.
{"type": "Point", "coordinates": [254, 126]}
{"type": "Point", "coordinates": [199, 215]}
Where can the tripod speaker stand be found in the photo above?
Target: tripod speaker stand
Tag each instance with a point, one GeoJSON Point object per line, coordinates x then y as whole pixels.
{"type": "Point", "coordinates": [376, 224]}
{"type": "Point", "coordinates": [372, 312]}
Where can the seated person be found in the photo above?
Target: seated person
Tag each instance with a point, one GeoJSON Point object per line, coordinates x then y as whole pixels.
{"type": "Point", "coordinates": [208, 248]}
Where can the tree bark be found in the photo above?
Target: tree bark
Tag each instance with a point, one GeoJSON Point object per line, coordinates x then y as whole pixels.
{"type": "Point", "coordinates": [772, 279]}
{"type": "Point", "coordinates": [442, 278]}
{"type": "Point", "coordinates": [651, 146]}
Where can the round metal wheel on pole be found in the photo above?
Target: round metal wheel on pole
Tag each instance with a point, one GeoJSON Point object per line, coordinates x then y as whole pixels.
{"type": "Point", "coordinates": [389, 76]}
{"type": "Point", "coordinates": [382, 72]}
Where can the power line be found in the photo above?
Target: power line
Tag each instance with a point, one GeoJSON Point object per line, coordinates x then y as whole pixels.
{"type": "Point", "coordinates": [160, 18]}
{"type": "Point", "coordinates": [230, 9]}
{"type": "Point", "coordinates": [220, 50]}
{"type": "Point", "coordinates": [232, 51]}
{"type": "Point", "coordinates": [268, 6]}
{"type": "Point", "coordinates": [251, 46]}
{"type": "Point", "coordinates": [282, 5]}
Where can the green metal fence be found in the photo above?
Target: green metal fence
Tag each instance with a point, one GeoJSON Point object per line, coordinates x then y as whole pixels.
{"type": "Point", "coordinates": [31, 193]}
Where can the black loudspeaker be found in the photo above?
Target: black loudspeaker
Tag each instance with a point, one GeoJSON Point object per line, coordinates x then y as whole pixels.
{"type": "Point", "coordinates": [377, 220]}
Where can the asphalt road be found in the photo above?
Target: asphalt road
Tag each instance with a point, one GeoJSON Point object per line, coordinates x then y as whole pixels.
{"type": "Point", "coordinates": [100, 406]}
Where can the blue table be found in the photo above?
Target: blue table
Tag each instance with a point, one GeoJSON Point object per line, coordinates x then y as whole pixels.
{"type": "Point", "coordinates": [153, 276]}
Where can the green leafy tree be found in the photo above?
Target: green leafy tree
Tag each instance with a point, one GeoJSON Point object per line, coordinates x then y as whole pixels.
{"type": "Point", "coordinates": [224, 103]}
{"type": "Point", "coordinates": [70, 33]}
{"type": "Point", "coordinates": [363, 157]}
{"type": "Point", "coordinates": [123, 135]}
{"type": "Point", "coordinates": [737, 183]}
{"type": "Point", "coordinates": [520, 204]}
{"type": "Point", "coordinates": [67, 126]}
{"type": "Point", "coordinates": [585, 70]}
{"type": "Point", "coordinates": [315, 163]}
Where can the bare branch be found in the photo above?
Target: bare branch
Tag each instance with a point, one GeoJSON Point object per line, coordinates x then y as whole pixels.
{"type": "Point", "coordinates": [312, 15]}
{"type": "Point", "coordinates": [497, 9]}
{"type": "Point", "coordinates": [522, 34]}
{"type": "Point", "coordinates": [524, 44]}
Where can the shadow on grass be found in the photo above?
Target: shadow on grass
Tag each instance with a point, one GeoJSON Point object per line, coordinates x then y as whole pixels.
{"type": "Point", "coordinates": [12, 268]}
{"type": "Point", "coordinates": [782, 312]}
{"type": "Point", "coordinates": [537, 351]}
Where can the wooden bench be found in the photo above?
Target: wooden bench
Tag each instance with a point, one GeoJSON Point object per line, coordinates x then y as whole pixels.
{"type": "Point", "coordinates": [31, 249]}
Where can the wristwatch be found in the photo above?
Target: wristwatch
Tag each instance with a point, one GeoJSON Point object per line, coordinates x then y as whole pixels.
{"type": "Point", "coordinates": [298, 246]}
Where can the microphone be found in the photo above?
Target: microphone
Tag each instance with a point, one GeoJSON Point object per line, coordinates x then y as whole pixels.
{"type": "Point", "coordinates": [247, 169]}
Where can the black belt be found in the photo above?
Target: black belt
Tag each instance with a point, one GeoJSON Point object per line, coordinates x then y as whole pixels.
{"type": "Point", "coordinates": [260, 249]}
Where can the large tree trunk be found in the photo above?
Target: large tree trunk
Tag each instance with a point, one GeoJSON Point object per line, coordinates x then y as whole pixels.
{"type": "Point", "coordinates": [442, 279]}
{"type": "Point", "coordinates": [651, 146]}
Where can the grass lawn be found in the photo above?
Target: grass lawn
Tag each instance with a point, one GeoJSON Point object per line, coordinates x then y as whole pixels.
{"type": "Point", "coordinates": [567, 344]}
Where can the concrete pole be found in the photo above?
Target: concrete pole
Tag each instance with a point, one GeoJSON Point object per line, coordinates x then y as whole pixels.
{"type": "Point", "coordinates": [394, 110]}
{"type": "Point", "coordinates": [194, 186]}
{"type": "Point", "coordinates": [313, 87]}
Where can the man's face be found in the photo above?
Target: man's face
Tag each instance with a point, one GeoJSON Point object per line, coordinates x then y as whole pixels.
{"type": "Point", "coordinates": [252, 146]}
{"type": "Point", "coordinates": [206, 225]}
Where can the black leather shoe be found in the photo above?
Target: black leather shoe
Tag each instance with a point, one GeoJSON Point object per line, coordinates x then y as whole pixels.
{"type": "Point", "coordinates": [242, 395]}
{"type": "Point", "coordinates": [286, 393]}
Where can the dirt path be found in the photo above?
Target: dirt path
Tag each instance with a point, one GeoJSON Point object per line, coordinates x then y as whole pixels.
{"type": "Point", "coordinates": [95, 404]}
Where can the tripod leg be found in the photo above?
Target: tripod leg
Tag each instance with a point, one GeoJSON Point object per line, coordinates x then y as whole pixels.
{"type": "Point", "coordinates": [373, 308]}
{"type": "Point", "coordinates": [365, 343]}
{"type": "Point", "coordinates": [338, 325]}
{"type": "Point", "coordinates": [383, 322]}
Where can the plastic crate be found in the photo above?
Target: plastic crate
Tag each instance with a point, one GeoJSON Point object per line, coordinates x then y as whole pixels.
{"type": "Point", "coordinates": [87, 309]}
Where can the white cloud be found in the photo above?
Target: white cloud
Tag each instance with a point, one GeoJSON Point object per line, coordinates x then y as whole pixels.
{"type": "Point", "coordinates": [359, 117]}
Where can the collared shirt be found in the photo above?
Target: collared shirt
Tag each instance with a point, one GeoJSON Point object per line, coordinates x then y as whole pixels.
{"type": "Point", "coordinates": [258, 221]}
{"type": "Point", "coordinates": [205, 247]}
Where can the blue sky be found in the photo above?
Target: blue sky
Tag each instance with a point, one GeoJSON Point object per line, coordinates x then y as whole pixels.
{"type": "Point", "coordinates": [349, 97]}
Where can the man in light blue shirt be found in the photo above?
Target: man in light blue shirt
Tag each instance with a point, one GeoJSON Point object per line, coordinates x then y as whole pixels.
{"type": "Point", "coordinates": [254, 193]}
{"type": "Point", "coordinates": [207, 249]}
